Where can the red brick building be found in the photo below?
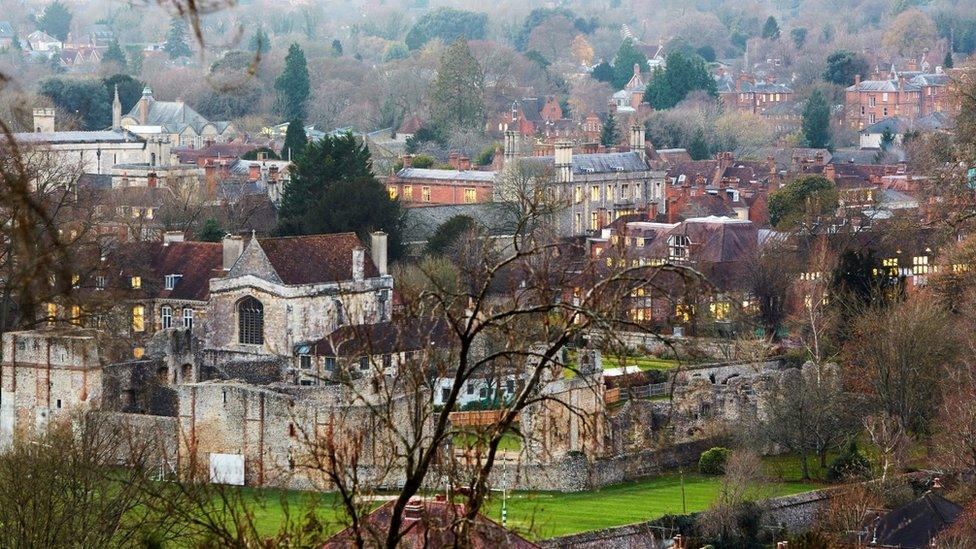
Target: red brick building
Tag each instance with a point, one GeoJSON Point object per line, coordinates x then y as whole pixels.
{"type": "Point", "coordinates": [461, 185]}
{"type": "Point", "coordinates": [904, 95]}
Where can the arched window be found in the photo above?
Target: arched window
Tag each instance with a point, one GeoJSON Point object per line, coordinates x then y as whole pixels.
{"type": "Point", "coordinates": [167, 313]}
{"type": "Point", "coordinates": [250, 321]}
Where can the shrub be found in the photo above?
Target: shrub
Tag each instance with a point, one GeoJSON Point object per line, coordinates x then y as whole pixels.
{"type": "Point", "coordinates": [712, 461]}
{"type": "Point", "coordinates": [422, 161]}
{"type": "Point", "coordinates": [851, 464]}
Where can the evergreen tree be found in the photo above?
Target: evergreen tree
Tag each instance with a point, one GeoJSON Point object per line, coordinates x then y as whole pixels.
{"type": "Point", "coordinates": [291, 86]}
{"type": "Point", "coordinates": [947, 61]}
{"type": "Point", "coordinates": [816, 121]}
{"type": "Point", "coordinates": [176, 45]}
{"type": "Point", "coordinates": [698, 148]}
{"type": "Point", "coordinates": [602, 72]}
{"type": "Point", "coordinates": [843, 66]}
{"type": "Point", "coordinates": [260, 42]}
{"type": "Point", "coordinates": [623, 65]}
{"type": "Point", "coordinates": [887, 139]}
{"type": "Point", "coordinates": [322, 163]}
{"type": "Point", "coordinates": [56, 20]}
{"type": "Point", "coordinates": [295, 140]}
{"type": "Point", "coordinates": [85, 97]}
{"type": "Point", "coordinates": [130, 89]}
{"type": "Point", "coordinates": [114, 54]}
{"type": "Point", "coordinates": [799, 36]}
{"type": "Point", "coordinates": [682, 74]}
{"type": "Point", "coordinates": [211, 231]}
{"type": "Point", "coordinates": [608, 134]}
{"type": "Point", "coordinates": [770, 30]}
{"type": "Point", "coordinates": [337, 47]}
{"type": "Point", "coordinates": [458, 96]}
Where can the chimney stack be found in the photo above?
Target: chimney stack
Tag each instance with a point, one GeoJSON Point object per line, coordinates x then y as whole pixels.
{"type": "Point", "coordinates": [358, 264]}
{"type": "Point", "coordinates": [509, 145]}
{"type": "Point", "coordinates": [151, 180]}
{"type": "Point", "coordinates": [564, 161]}
{"type": "Point", "coordinates": [253, 172]}
{"type": "Point", "coordinates": [233, 248]}
{"type": "Point", "coordinates": [378, 250]}
{"type": "Point", "coordinates": [407, 160]}
{"type": "Point", "coordinates": [637, 139]}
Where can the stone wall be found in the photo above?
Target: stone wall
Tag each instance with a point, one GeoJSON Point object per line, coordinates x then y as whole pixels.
{"type": "Point", "coordinates": [137, 433]}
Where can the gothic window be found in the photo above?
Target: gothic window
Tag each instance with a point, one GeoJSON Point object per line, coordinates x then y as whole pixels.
{"type": "Point", "coordinates": [340, 313]}
{"type": "Point", "coordinates": [250, 321]}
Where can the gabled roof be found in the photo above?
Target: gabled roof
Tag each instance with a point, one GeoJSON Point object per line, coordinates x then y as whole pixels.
{"type": "Point", "coordinates": [915, 525]}
{"type": "Point", "coordinates": [376, 339]}
{"type": "Point", "coordinates": [196, 262]}
{"type": "Point", "coordinates": [298, 260]}
{"type": "Point", "coordinates": [882, 86]}
{"type": "Point", "coordinates": [175, 115]}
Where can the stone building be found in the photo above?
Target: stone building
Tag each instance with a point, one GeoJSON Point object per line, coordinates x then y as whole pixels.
{"type": "Point", "coordinates": [176, 121]}
{"type": "Point", "coordinates": [46, 375]}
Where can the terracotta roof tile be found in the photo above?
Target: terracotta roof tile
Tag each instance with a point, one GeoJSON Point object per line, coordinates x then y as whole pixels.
{"type": "Point", "coordinates": [315, 259]}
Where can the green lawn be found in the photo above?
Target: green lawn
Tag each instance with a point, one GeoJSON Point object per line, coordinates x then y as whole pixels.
{"type": "Point", "coordinates": [642, 362]}
{"type": "Point", "coordinates": [542, 515]}
{"type": "Point", "coordinates": [510, 441]}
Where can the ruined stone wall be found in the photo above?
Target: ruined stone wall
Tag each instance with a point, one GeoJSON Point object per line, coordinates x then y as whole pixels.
{"type": "Point", "coordinates": [571, 418]}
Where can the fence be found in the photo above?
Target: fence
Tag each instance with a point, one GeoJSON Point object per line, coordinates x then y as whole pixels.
{"type": "Point", "coordinates": [650, 390]}
{"type": "Point", "coordinates": [476, 418]}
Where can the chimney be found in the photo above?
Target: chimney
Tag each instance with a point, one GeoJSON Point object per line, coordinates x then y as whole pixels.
{"type": "Point", "coordinates": [233, 248]}
{"type": "Point", "coordinates": [358, 264]}
{"type": "Point", "coordinates": [464, 162]}
{"type": "Point", "coordinates": [273, 173]}
{"type": "Point", "coordinates": [44, 120]}
{"type": "Point", "coordinates": [116, 110]}
{"type": "Point", "coordinates": [564, 161]}
{"type": "Point", "coordinates": [377, 251]}
{"type": "Point", "coordinates": [210, 179]}
{"type": "Point", "coordinates": [857, 79]}
{"type": "Point", "coordinates": [637, 139]}
{"type": "Point", "coordinates": [818, 158]}
{"type": "Point", "coordinates": [151, 180]}
{"type": "Point", "coordinates": [254, 172]}
{"type": "Point", "coordinates": [144, 105]}
{"type": "Point", "coordinates": [830, 172]}
{"type": "Point", "coordinates": [452, 159]}
{"type": "Point", "coordinates": [407, 160]}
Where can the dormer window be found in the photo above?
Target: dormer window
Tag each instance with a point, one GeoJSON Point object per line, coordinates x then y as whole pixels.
{"type": "Point", "coordinates": [678, 245]}
{"type": "Point", "coordinates": [172, 280]}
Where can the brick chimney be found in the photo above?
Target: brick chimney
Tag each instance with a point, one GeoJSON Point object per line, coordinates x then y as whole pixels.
{"type": "Point", "coordinates": [273, 173]}
{"type": "Point", "coordinates": [253, 172]}
{"type": "Point", "coordinates": [210, 179]}
{"type": "Point", "coordinates": [407, 160]}
{"type": "Point", "coordinates": [464, 162]}
{"type": "Point", "coordinates": [830, 172]}
{"type": "Point", "coordinates": [452, 159]}
{"type": "Point", "coordinates": [818, 158]}
{"type": "Point", "coordinates": [857, 79]}
{"type": "Point", "coordinates": [151, 180]}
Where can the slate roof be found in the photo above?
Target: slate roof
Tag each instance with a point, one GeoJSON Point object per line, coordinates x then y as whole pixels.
{"type": "Point", "coordinates": [175, 116]}
{"type": "Point", "coordinates": [933, 79]}
{"type": "Point", "coordinates": [420, 223]}
{"type": "Point", "coordinates": [375, 339]}
{"type": "Point", "coordinates": [894, 124]}
{"type": "Point", "coordinates": [314, 259]}
{"type": "Point", "coordinates": [57, 138]}
{"type": "Point", "coordinates": [6, 30]}
{"type": "Point", "coordinates": [447, 175]}
{"type": "Point", "coordinates": [883, 86]}
{"type": "Point", "coordinates": [727, 85]}
{"type": "Point", "coordinates": [915, 525]}
{"type": "Point", "coordinates": [599, 162]}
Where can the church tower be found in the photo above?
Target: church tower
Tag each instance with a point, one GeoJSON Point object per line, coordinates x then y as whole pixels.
{"type": "Point", "coordinates": [116, 111]}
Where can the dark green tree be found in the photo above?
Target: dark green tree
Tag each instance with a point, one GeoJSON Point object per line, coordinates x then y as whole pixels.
{"type": "Point", "coordinates": [395, 51]}
{"type": "Point", "coordinates": [337, 47]}
{"type": "Point", "coordinates": [295, 140]}
{"type": "Point", "coordinates": [770, 30]}
{"type": "Point", "coordinates": [85, 98]}
{"type": "Point", "coordinates": [130, 89]}
{"type": "Point", "coordinates": [56, 20]}
{"type": "Point", "coordinates": [799, 36]}
{"type": "Point", "coordinates": [698, 148]}
{"type": "Point", "coordinates": [457, 94]}
{"type": "Point", "coordinates": [603, 72]}
{"type": "Point", "coordinates": [448, 25]}
{"type": "Point", "coordinates": [211, 231]}
{"type": "Point", "coordinates": [538, 59]}
{"type": "Point", "coordinates": [816, 121]}
{"type": "Point", "coordinates": [887, 139]}
{"type": "Point", "coordinates": [260, 42]}
{"type": "Point", "coordinates": [623, 64]}
{"type": "Point", "coordinates": [114, 54]}
{"type": "Point", "coordinates": [291, 86]}
{"type": "Point", "coordinates": [609, 134]}
{"type": "Point", "coordinates": [360, 205]}
{"type": "Point", "coordinates": [176, 45]}
{"type": "Point", "coordinates": [537, 17]}
{"type": "Point", "coordinates": [682, 74]}
{"type": "Point", "coordinates": [813, 194]}
{"type": "Point", "coordinates": [843, 66]}
{"type": "Point", "coordinates": [448, 233]}
{"type": "Point", "coordinates": [323, 162]}
{"type": "Point", "coordinates": [947, 60]}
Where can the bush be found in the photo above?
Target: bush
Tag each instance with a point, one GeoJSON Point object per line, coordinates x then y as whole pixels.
{"type": "Point", "coordinates": [851, 464]}
{"type": "Point", "coordinates": [712, 461]}
{"type": "Point", "coordinates": [422, 161]}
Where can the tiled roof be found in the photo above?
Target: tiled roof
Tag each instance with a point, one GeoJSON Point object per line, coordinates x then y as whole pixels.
{"type": "Point", "coordinates": [446, 175]}
{"type": "Point", "coordinates": [915, 524]}
{"type": "Point", "coordinates": [382, 338]}
{"type": "Point", "coordinates": [882, 86]}
{"type": "Point", "coordinates": [197, 262]}
{"type": "Point", "coordinates": [53, 138]}
{"type": "Point", "coordinates": [422, 222]}
{"type": "Point", "coordinates": [314, 259]}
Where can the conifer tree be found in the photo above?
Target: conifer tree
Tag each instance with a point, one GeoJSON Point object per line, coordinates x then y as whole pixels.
{"type": "Point", "coordinates": [770, 29]}
{"type": "Point", "coordinates": [295, 140]}
{"type": "Point", "coordinates": [816, 121]}
{"type": "Point", "coordinates": [698, 148]}
{"type": "Point", "coordinates": [947, 61]}
{"type": "Point", "coordinates": [457, 97]}
{"type": "Point", "coordinates": [176, 45]}
{"type": "Point", "coordinates": [608, 134]}
{"type": "Point", "coordinates": [291, 86]}
{"type": "Point", "coordinates": [114, 54]}
{"type": "Point", "coordinates": [260, 42]}
{"type": "Point", "coordinates": [56, 20]}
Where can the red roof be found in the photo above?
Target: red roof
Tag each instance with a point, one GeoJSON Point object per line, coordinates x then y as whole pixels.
{"type": "Point", "coordinates": [196, 262]}
{"type": "Point", "coordinates": [315, 259]}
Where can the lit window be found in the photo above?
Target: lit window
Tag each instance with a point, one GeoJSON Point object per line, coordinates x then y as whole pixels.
{"type": "Point", "coordinates": [138, 352]}
{"type": "Point", "coordinates": [425, 194]}
{"type": "Point", "coordinates": [678, 247]}
{"type": "Point", "coordinates": [595, 193]}
{"type": "Point", "coordinates": [136, 282]}
{"type": "Point", "coordinates": [624, 191]}
{"type": "Point", "coordinates": [578, 223]}
{"type": "Point", "coordinates": [76, 315]}
{"type": "Point", "coordinates": [138, 318]}
{"type": "Point", "coordinates": [149, 213]}
{"type": "Point", "coordinates": [920, 264]}
{"type": "Point", "coordinates": [75, 279]}
{"type": "Point", "coordinates": [640, 242]}
{"type": "Point", "coordinates": [188, 318]}
{"type": "Point", "coordinates": [100, 282]}
{"type": "Point", "coordinates": [609, 193]}
{"type": "Point", "coordinates": [594, 221]}
{"type": "Point", "coordinates": [684, 311]}
{"type": "Point", "coordinates": [250, 322]}
{"type": "Point", "coordinates": [166, 315]}
{"type": "Point", "coordinates": [52, 311]}
{"type": "Point", "coordinates": [393, 191]}
{"type": "Point", "coordinates": [720, 310]}
{"type": "Point", "coordinates": [408, 192]}
{"type": "Point", "coordinates": [470, 196]}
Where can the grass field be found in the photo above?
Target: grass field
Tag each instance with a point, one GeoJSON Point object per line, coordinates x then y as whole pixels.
{"type": "Point", "coordinates": [642, 362]}
{"type": "Point", "coordinates": [540, 515]}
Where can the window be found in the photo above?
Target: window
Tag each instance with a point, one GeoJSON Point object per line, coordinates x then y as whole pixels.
{"type": "Point", "coordinates": [470, 196]}
{"type": "Point", "coordinates": [76, 315]}
{"type": "Point", "coordinates": [188, 318]}
{"type": "Point", "coordinates": [640, 242]}
{"type": "Point", "coordinates": [578, 223]}
{"type": "Point", "coordinates": [250, 321]}
{"type": "Point", "coordinates": [136, 282]}
{"type": "Point", "coordinates": [678, 247]}
{"type": "Point", "coordinates": [578, 194]}
{"type": "Point", "coordinates": [872, 118]}
{"type": "Point", "coordinates": [720, 310]}
{"type": "Point", "coordinates": [364, 363]}
{"type": "Point", "coordinates": [470, 388]}
{"type": "Point", "coordinates": [340, 313]}
{"type": "Point", "coordinates": [166, 314]}
{"type": "Point", "coordinates": [52, 311]}
{"type": "Point", "coordinates": [393, 191]}
{"type": "Point", "coordinates": [425, 194]}
{"type": "Point", "coordinates": [172, 280]}
{"type": "Point", "coordinates": [624, 191]}
{"type": "Point", "coordinates": [138, 352]}
{"type": "Point", "coordinates": [138, 318]}
{"type": "Point", "coordinates": [595, 193]}
{"type": "Point", "coordinates": [920, 264]}
{"type": "Point", "coordinates": [100, 283]}
{"type": "Point", "coordinates": [149, 213]}
{"type": "Point", "coordinates": [510, 385]}
{"type": "Point", "coordinates": [594, 221]}
{"type": "Point", "coordinates": [884, 111]}
{"type": "Point", "coordinates": [884, 97]}
{"type": "Point", "coordinates": [330, 364]}
{"type": "Point", "coordinates": [872, 101]}
{"type": "Point", "coordinates": [408, 192]}
{"type": "Point", "coordinates": [609, 193]}
{"type": "Point", "coordinates": [387, 361]}
{"type": "Point", "coordinates": [305, 362]}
